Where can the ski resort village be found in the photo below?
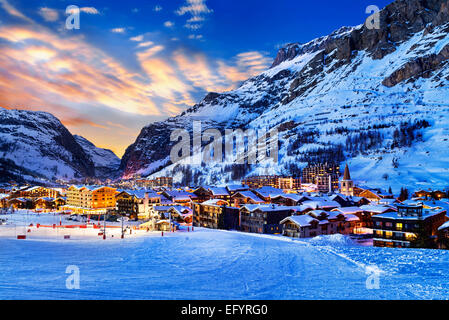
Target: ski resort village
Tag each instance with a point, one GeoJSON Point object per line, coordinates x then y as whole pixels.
{"type": "Point", "coordinates": [199, 149]}
{"type": "Point", "coordinates": [319, 201]}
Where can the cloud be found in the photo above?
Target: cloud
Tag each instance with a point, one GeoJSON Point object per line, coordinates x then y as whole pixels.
{"type": "Point", "coordinates": [194, 7]}
{"type": "Point", "coordinates": [196, 36]}
{"type": "Point", "coordinates": [13, 11]}
{"type": "Point", "coordinates": [145, 44]}
{"type": "Point", "coordinates": [143, 55]}
{"type": "Point", "coordinates": [137, 38]}
{"type": "Point", "coordinates": [49, 14]}
{"type": "Point", "coordinates": [89, 10]}
{"type": "Point", "coordinates": [197, 9]}
{"type": "Point", "coordinates": [67, 70]}
{"type": "Point", "coordinates": [169, 24]}
{"type": "Point", "coordinates": [118, 30]}
{"type": "Point", "coordinates": [157, 8]}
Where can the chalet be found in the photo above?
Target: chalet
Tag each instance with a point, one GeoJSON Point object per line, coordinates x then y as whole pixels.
{"type": "Point", "coordinates": [233, 189]}
{"type": "Point", "coordinates": [358, 201]}
{"type": "Point", "coordinates": [48, 203]}
{"type": "Point", "coordinates": [133, 203]}
{"type": "Point", "coordinates": [36, 192]}
{"type": "Point", "coordinates": [400, 229]}
{"type": "Point", "coordinates": [330, 222]}
{"type": "Point", "coordinates": [20, 203]}
{"type": "Point", "coordinates": [219, 193]}
{"type": "Point", "coordinates": [202, 194]}
{"type": "Point", "coordinates": [286, 199]}
{"type": "Point", "coordinates": [180, 197]}
{"type": "Point", "coordinates": [303, 226]}
{"type": "Point", "coordinates": [181, 214]}
{"type": "Point", "coordinates": [267, 193]}
{"type": "Point", "coordinates": [375, 195]}
{"type": "Point", "coordinates": [422, 194]}
{"type": "Point", "coordinates": [321, 204]}
{"type": "Point", "coordinates": [263, 218]}
{"type": "Point", "coordinates": [245, 197]}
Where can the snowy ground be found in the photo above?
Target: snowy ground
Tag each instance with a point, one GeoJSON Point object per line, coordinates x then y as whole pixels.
{"type": "Point", "coordinates": [209, 264]}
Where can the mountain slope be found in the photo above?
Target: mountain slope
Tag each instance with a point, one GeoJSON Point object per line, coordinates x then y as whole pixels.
{"type": "Point", "coordinates": [36, 146]}
{"type": "Point", "coordinates": [40, 147]}
{"type": "Point", "coordinates": [375, 98]}
{"type": "Point", "coordinates": [105, 161]}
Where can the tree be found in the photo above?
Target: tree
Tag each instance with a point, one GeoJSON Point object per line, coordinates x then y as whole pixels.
{"type": "Point", "coordinates": [404, 195]}
{"type": "Point", "coordinates": [390, 191]}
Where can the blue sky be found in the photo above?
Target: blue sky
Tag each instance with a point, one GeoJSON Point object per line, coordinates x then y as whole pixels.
{"type": "Point", "coordinates": [133, 62]}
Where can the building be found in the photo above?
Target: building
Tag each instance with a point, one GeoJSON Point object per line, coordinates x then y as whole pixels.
{"type": "Point", "coordinates": [164, 182]}
{"type": "Point", "coordinates": [375, 195]}
{"type": "Point", "coordinates": [347, 185]}
{"type": "Point", "coordinates": [303, 226]}
{"type": "Point", "coordinates": [35, 192]}
{"type": "Point", "coordinates": [411, 226]}
{"type": "Point", "coordinates": [160, 182]}
{"type": "Point", "coordinates": [255, 182]}
{"type": "Point", "coordinates": [135, 203]}
{"type": "Point", "coordinates": [263, 218]}
{"type": "Point", "coordinates": [216, 214]}
{"type": "Point", "coordinates": [324, 175]}
{"type": "Point", "coordinates": [90, 200]}
{"type": "Point", "coordinates": [47, 203]}
{"type": "Point", "coordinates": [242, 198]}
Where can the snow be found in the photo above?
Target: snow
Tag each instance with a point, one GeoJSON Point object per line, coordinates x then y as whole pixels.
{"type": "Point", "coordinates": [208, 264]}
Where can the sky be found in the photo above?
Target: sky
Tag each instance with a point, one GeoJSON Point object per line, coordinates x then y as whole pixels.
{"type": "Point", "coordinates": [133, 62]}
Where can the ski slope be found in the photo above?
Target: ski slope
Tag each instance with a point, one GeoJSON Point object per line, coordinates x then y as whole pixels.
{"type": "Point", "coordinates": [209, 264]}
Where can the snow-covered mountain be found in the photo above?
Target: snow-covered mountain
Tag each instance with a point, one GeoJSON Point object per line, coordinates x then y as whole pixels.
{"type": "Point", "coordinates": [36, 146]}
{"type": "Point", "coordinates": [377, 99]}
{"type": "Point", "coordinates": [105, 161]}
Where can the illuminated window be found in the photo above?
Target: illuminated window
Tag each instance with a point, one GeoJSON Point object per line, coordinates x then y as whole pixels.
{"type": "Point", "coordinates": [399, 226]}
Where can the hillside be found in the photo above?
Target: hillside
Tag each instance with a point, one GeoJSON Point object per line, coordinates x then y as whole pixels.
{"type": "Point", "coordinates": [37, 147]}
{"type": "Point", "coordinates": [377, 99]}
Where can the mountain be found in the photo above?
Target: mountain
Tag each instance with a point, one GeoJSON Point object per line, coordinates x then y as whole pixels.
{"type": "Point", "coordinates": [105, 161]}
{"type": "Point", "coordinates": [375, 98]}
{"type": "Point", "coordinates": [37, 147]}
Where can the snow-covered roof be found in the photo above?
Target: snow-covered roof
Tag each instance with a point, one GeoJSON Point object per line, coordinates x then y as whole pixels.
{"type": "Point", "coordinates": [250, 195]}
{"type": "Point", "coordinates": [268, 192]}
{"type": "Point", "coordinates": [236, 187]}
{"type": "Point", "coordinates": [265, 207]}
{"type": "Point", "coordinates": [351, 217]}
{"type": "Point", "coordinates": [301, 221]}
{"type": "Point", "coordinates": [427, 213]}
{"type": "Point", "coordinates": [348, 210]}
{"type": "Point", "coordinates": [290, 196]}
{"type": "Point", "coordinates": [317, 204]}
{"type": "Point", "coordinates": [374, 208]}
{"type": "Point", "coordinates": [219, 191]}
{"type": "Point", "coordinates": [318, 213]}
{"type": "Point", "coordinates": [213, 202]}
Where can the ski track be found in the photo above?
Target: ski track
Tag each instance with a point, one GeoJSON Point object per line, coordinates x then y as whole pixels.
{"type": "Point", "coordinates": [222, 265]}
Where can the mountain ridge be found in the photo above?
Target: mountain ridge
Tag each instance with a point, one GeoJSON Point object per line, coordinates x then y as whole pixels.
{"type": "Point", "coordinates": [331, 91]}
{"type": "Point", "coordinates": [36, 146]}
